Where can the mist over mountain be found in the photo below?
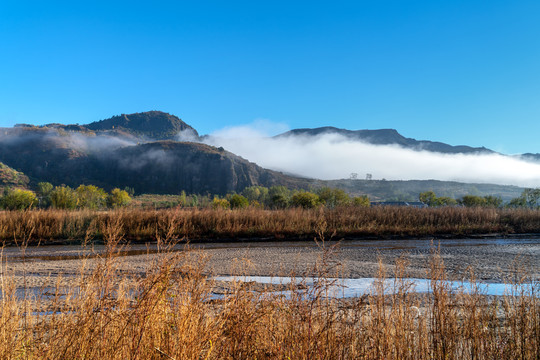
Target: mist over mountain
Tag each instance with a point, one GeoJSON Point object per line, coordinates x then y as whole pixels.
{"type": "Point", "coordinates": [156, 152]}
{"type": "Point", "coordinates": [385, 137]}
{"type": "Point", "coordinates": [123, 151]}
{"type": "Point", "coordinates": [329, 153]}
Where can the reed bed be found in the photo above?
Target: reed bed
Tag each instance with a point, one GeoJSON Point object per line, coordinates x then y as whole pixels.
{"type": "Point", "coordinates": [168, 312]}
{"type": "Point", "coordinates": [48, 226]}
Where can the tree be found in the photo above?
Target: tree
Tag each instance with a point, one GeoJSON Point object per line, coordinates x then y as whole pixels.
{"type": "Point", "coordinates": [279, 197]}
{"type": "Point", "coordinates": [44, 190]}
{"type": "Point", "coordinates": [445, 201]}
{"type": "Point", "coordinates": [333, 197]}
{"type": "Point", "coordinates": [218, 203]}
{"type": "Point", "coordinates": [118, 198]}
{"type": "Point", "coordinates": [238, 202]}
{"type": "Point", "coordinates": [528, 198]}
{"type": "Point", "coordinates": [91, 197]}
{"type": "Point", "coordinates": [18, 199]}
{"type": "Point", "coordinates": [429, 198]}
{"type": "Point", "coordinates": [183, 198]}
{"type": "Point", "coordinates": [361, 201]}
{"type": "Point", "coordinates": [63, 197]}
{"type": "Point", "coordinates": [493, 201]}
{"type": "Point", "coordinates": [518, 202]}
{"type": "Point", "coordinates": [305, 199]}
{"type": "Point", "coordinates": [472, 201]}
{"type": "Point", "coordinates": [256, 194]}
{"type": "Point", "coordinates": [532, 197]}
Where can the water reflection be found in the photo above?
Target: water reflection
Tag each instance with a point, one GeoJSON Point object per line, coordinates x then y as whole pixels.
{"type": "Point", "coordinates": [348, 288]}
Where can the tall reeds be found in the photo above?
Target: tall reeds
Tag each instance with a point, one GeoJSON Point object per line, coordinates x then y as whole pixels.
{"type": "Point", "coordinates": [51, 226]}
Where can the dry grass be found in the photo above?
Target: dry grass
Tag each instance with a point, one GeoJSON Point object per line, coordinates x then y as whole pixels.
{"type": "Point", "coordinates": [167, 313]}
{"type": "Point", "coordinates": [57, 225]}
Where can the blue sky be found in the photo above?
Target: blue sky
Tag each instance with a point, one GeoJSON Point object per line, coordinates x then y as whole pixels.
{"type": "Point", "coordinates": [461, 72]}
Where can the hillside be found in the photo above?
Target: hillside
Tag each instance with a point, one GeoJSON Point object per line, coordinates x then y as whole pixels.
{"type": "Point", "coordinates": [154, 125]}
{"type": "Point", "coordinates": [166, 167]}
{"type": "Point", "coordinates": [12, 178]}
{"type": "Point", "coordinates": [409, 190]}
{"type": "Point", "coordinates": [60, 157]}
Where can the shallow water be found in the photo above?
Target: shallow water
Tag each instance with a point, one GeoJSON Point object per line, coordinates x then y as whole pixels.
{"type": "Point", "coordinates": [349, 288]}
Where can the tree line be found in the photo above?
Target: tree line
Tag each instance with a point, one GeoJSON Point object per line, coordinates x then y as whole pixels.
{"type": "Point", "coordinates": [529, 198]}
{"type": "Point", "coordinates": [63, 197]}
{"type": "Point", "coordinates": [280, 197]}
{"type": "Point", "coordinates": [276, 197]}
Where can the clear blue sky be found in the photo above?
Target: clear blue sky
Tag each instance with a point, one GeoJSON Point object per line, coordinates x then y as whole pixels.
{"type": "Point", "coordinates": [461, 72]}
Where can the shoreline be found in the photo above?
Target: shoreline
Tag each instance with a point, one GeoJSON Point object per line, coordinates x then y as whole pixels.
{"type": "Point", "coordinates": [491, 259]}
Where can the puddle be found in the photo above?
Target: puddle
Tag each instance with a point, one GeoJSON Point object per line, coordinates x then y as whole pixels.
{"type": "Point", "coordinates": [349, 288]}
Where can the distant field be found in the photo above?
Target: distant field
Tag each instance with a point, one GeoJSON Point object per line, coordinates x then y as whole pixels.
{"type": "Point", "coordinates": [48, 226]}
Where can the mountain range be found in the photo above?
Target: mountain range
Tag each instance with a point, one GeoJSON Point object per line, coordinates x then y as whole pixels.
{"type": "Point", "coordinates": [144, 151]}
{"type": "Point", "coordinates": [386, 137]}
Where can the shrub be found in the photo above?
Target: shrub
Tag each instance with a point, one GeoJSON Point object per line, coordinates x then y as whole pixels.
{"type": "Point", "coordinates": [333, 197]}
{"type": "Point", "coordinates": [218, 203]}
{"type": "Point", "coordinates": [279, 197]}
{"type": "Point", "coordinates": [118, 198]}
{"type": "Point", "coordinates": [361, 201]}
{"type": "Point", "coordinates": [91, 197]}
{"type": "Point", "coordinates": [18, 199]}
{"type": "Point", "coordinates": [238, 202]}
{"type": "Point", "coordinates": [64, 197]}
{"type": "Point", "coordinates": [472, 201]}
{"type": "Point", "coordinates": [256, 194]}
{"type": "Point", "coordinates": [44, 190]}
{"type": "Point", "coordinates": [305, 199]}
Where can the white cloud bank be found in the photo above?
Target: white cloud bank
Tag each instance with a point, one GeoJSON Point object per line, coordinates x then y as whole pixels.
{"type": "Point", "coordinates": [332, 156]}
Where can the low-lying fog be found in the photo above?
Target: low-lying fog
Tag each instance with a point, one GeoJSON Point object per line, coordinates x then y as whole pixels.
{"type": "Point", "coordinates": [332, 156]}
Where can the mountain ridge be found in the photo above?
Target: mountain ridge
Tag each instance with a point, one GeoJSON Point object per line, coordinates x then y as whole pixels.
{"type": "Point", "coordinates": [386, 137]}
{"type": "Point", "coordinates": [140, 150]}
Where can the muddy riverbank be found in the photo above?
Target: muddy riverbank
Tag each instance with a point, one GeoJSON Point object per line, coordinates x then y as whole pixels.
{"type": "Point", "coordinates": [492, 260]}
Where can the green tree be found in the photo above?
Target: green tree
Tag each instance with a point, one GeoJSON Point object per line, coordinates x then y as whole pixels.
{"type": "Point", "coordinates": [18, 199]}
{"type": "Point", "coordinates": [63, 197]}
{"type": "Point", "coordinates": [118, 198]}
{"type": "Point", "coordinates": [256, 194]}
{"type": "Point", "coordinates": [493, 201]}
{"type": "Point", "coordinates": [518, 202]}
{"type": "Point", "coordinates": [472, 201]}
{"type": "Point", "coordinates": [528, 198]}
{"type": "Point", "coordinates": [445, 201]}
{"type": "Point", "coordinates": [183, 198]}
{"type": "Point", "coordinates": [91, 197]}
{"type": "Point", "coordinates": [429, 198]}
{"type": "Point", "coordinates": [279, 197]}
{"type": "Point", "coordinates": [332, 197]}
{"type": "Point", "coordinates": [194, 200]}
{"type": "Point", "coordinates": [532, 197]}
{"type": "Point", "coordinates": [305, 199]}
{"type": "Point", "coordinates": [238, 202]}
{"type": "Point", "coordinates": [44, 190]}
{"type": "Point", "coordinates": [361, 201]}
